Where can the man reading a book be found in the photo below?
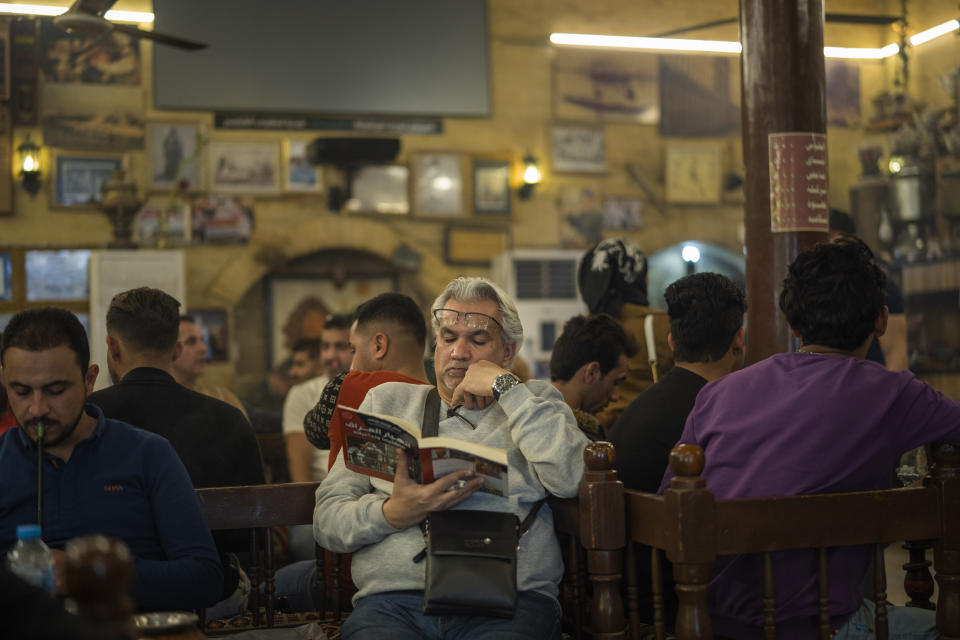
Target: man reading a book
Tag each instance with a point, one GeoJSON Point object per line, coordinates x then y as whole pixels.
{"type": "Point", "coordinates": [477, 330]}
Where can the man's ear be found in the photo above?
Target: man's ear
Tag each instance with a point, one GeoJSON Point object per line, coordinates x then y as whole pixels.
{"type": "Point", "coordinates": [670, 340]}
{"type": "Point", "coordinates": [740, 338]}
{"type": "Point", "coordinates": [880, 325]}
{"type": "Point", "coordinates": [591, 372]}
{"type": "Point", "coordinates": [508, 354]}
{"type": "Point", "coordinates": [92, 372]}
{"type": "Point", "coordinates": [114, 349]}
{"type": "Point", "coordinates": [177, 351]}
{"type": "Point", "coordinates": [381, 345]}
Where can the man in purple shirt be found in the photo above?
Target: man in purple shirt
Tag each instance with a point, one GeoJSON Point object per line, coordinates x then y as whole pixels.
{"type": "Point", "coordinates": [821, 420]}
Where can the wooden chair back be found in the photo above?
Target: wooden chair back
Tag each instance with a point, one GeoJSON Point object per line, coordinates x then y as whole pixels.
{"type": "Point", "coordinates": [693, 528]}
{"type": "Point", "coordinates": [258, 508]}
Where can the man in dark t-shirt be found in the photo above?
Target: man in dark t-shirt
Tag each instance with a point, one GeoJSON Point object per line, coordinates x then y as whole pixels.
{"type": "Point", "coordinates": [707, 337]}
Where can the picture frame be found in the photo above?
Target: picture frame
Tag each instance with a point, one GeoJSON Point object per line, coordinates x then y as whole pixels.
{"type": "Point", "coordinates": [76, 178]}
{"type": "Point", "coordinates": [162, 222]}
{"type": "Point", "coordinates": [299, 175]}
{"type": "Point", "coordinates": [5, 59]}
{"type": "Point", "coordinates": [491, 187]}
{"type": "Point", "coordinates": [471, 245]}
{"type": "Point", "coordinates": [213, 325]}
{"type": "Point", "coordinates": [174, 149]}
{"type": "Point", "coordinates": [243, 166]}
{"type": "Point", "coordinates": [380, 189]}
{"type": "Point", "coordinates": [579, 149]}
{"type": "Point", "coordinates": [438, 184]}
{"type": "Point", "coordinates": [222, 220]}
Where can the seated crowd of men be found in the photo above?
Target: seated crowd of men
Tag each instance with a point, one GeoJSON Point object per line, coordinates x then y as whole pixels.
{"type": "Point", "coordinates": [820, 420]}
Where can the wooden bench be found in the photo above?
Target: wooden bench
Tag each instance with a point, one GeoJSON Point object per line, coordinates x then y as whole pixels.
{"type": "Point", "coordinates": [258, 508]}
{"type": "Point", "coordinates": [693, 529]}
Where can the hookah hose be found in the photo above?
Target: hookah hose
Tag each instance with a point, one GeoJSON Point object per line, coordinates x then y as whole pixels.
{"type": "Point", "coordinates": [40, 434]}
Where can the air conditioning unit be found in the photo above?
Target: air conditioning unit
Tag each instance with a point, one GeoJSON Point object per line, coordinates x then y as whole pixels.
{"type": "Point", "coordinates": [543, 282]}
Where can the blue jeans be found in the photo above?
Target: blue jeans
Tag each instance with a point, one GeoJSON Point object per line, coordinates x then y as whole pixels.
{"type": "Point", "coordinates": [397, 615]}
{"type": "Point", "coordinates": [295, 582]}
{"type": "Point", "coordinates": [904, 623]}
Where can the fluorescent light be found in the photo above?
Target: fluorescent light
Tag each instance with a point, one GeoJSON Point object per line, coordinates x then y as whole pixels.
{"type": "Point", "coordinates": [31, 9]}
{"type": "Point", "coordinates": [129, 16]}
{"type": "Point", "coordinates": [860, 53]}
{"type": "Point", "coordinates": [630, 42]}
{"type": "Point", "coordinates": [49, 10]}
{"type": "Point", "coordinates": [935, 32]}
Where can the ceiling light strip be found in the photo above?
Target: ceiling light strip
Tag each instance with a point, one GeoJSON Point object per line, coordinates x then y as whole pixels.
{"type": "Point", "coordinates": [935, 32]}
{"type": "Point", "coordinates": [632, 42]}
{"type": "Point", "coordinates": [49, 10]}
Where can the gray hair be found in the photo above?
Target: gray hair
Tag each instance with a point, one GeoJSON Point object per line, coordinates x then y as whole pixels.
{"type": "Point", "coordinates": [475, 289]}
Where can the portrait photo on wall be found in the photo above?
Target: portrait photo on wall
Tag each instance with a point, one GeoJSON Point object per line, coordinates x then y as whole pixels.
{"type": "Point", "coordinates": [699, 96]}
{"type": "Point", "coordinates": [98, 118]}
{"type": "Point", "coordinates": [112, 58]}
{"type": "Point", "coordinates": [605, 86]}
{"type": "Point", "coordinates": [222, 220]}
{"type": "Point", "coordinates": [843, 93]}
{"type": "Point", "coordinates": [173, 156]}
{"type": "Point", "coordinates": [213, 325]}
{"type": "Point", "coordinates": [244, 167]}
{"type": "Point", "coordinates": [491, 187]}
{"type": "Point", "coordinates": [300, 174]}
{"type": "Point", "coordinates": [580, 213]}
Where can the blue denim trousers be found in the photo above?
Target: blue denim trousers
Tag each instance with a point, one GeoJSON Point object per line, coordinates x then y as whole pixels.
{"type": "Point", "coordinates": [397, 615]}
{"type": "Point", "coordinates": [903, 623]}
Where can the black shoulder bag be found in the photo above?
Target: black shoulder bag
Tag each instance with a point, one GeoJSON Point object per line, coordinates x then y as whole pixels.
{"type": "Point", "coordinates": [471, 555]}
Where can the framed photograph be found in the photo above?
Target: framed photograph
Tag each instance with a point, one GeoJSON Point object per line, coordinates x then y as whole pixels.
{"type": "Point", "coordinates": [111, 58]}
{"type": "Point", "coordinates": [605, 86]}
{"type": "Point", "coordinates": [579, 149]}
{"type": "Point", "coordinates": [244, 167]}
{"type": "Point", "coordinates": [622, 213]}
{"type": "Point", "coordinates": [438, 184]}
{"type": "Point", "coordinates": [474, 246]}
{"type": "Point", "coordinates": [380, 189]}
{"type": "Point", "coordinates": [163, 223]}
{"type": "Point", "coordinates": [92, 117]}
{"type": "Point", "coordinates": [173, 155]}
{"type": "Point", "coordinates": [222, 220]}
{"type": "Point", "coordinates": [76, 178]}
{"type": "Point", "coordinates": [213, 325]}
{"type": "Point", "coordinates": [491, 187]}
{"type": "Point", "coordinates": [300, 174]}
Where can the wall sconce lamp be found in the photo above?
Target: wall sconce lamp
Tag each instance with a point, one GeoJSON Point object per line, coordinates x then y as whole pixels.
{"type": "Point", "coordinates": [531, 176]}
{"type": "Point", "coordinates": [29, 161]}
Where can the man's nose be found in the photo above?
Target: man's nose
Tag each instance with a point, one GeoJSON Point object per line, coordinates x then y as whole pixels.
{"type": "Point", "coordinates": [461, 349]}
{"type": "Point", "coordinates": [38, 406]}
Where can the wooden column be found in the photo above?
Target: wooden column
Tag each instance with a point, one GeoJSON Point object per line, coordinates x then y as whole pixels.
{"type": "Point", "coordinates": [783, 90]}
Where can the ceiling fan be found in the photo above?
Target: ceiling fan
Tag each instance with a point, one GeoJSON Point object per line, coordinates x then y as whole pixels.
{"type": "Point", "coordinates": [86, 18]}
{"type": "Point", "coordinates": [845, 18]}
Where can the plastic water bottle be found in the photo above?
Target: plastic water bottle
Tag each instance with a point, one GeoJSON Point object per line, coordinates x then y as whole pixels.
{"type": "Point", "coordinates": [31, 559]}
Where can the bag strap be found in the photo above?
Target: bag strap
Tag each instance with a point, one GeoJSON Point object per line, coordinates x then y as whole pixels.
{"type": "Point", "coordinates": [528, 521]}
{"type": "Point", "coordinates": [430, 425]}
{"type": "Point", "coordinates": [651, 345]}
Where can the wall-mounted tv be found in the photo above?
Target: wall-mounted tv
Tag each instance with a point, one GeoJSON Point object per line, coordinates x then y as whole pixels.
{"type": "Point", "coordinates": [341, 57]}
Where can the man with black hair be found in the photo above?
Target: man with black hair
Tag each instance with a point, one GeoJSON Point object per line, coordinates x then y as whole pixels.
{"type": "Point", "coordinates": [821, 420]}
{"type": "Point", "coordinates": [588, 362]}
{"type": "Point", "coordinates": [706, 335]}
{"type": "Point", "coordinates": [305, 462]}
{"type": "Point", "coordinates": [214, 440]}
{"type": "Point", "coordinates": [190, 362]}
{"type": "Point", "coordinates": [100, 476]}
{"type": "Point", "coordinates": [305, 362]}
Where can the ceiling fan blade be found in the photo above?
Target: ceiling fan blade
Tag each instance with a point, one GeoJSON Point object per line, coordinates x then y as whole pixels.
{"type": "Point", "coordinates": [161, 38]}
{"type": "Point", "coordinates": [93, 7]}
{"type": "Point", "coordinates": [696, 27]}
{"type": "Point", "coordinates": [859, 18]}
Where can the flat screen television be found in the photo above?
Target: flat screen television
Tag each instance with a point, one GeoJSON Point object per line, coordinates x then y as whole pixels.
{"type": "Point", "coordinates": [337, 57]}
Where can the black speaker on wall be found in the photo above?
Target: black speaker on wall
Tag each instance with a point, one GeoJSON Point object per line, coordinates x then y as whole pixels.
{"type": "Point", "coordinates": [348, 151]}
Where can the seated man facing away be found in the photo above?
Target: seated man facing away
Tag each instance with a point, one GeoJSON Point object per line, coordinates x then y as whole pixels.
{"type": "Point", "coordinates": [706, 335]}
{"type": "Point", "coordinates": [100, 476]}
{"type": "Point", "coordinates": [821, 420]}
{"type": "Point", "coordinates": [589, 360]}
{"type": "Point", "coordinates": [477, 329]}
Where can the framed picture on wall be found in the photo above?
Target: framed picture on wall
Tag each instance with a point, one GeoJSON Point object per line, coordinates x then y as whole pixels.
{"type": "Point", "coordinates": [438, 184]}
{"type": "Point", "coordinates": [299, 174]}
{"type": "Point", "coordinates": [491, 187]}
{"type": "Point", "coordinates": [244, 167]}
{"type": "Point", "coordinates": [77, 177]}
{"type": "Point", "coordinates": [173, 155]}
{"type": "Point", "coordinates": [380, 189]}
{"type": "Point", "coordinates": [579, 149]}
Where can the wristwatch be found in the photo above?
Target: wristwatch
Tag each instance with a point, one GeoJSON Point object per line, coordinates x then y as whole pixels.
{"type": "Point", "coordinates": [503, 383]}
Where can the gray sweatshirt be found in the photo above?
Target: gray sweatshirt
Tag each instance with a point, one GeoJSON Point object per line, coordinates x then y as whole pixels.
{"type": "Point", "coordinates": [545, 455]}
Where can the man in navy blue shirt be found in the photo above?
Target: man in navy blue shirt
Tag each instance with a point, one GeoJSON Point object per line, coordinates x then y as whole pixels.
{"type": "Point", "coordinates": [100, 476]}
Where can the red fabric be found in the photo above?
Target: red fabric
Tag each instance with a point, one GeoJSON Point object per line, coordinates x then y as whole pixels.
{"type": "Point", "coordinates": [7, 421]}
{"type": "Point", "coordinates": [352, 392]}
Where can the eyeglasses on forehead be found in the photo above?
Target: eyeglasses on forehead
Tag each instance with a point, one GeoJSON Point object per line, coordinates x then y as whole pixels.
{"type": "Point", "coordinates": [470, 319]}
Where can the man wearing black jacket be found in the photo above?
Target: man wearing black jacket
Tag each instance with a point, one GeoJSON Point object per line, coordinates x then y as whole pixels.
{"type": "Point", "coordinates": [213, 439]}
